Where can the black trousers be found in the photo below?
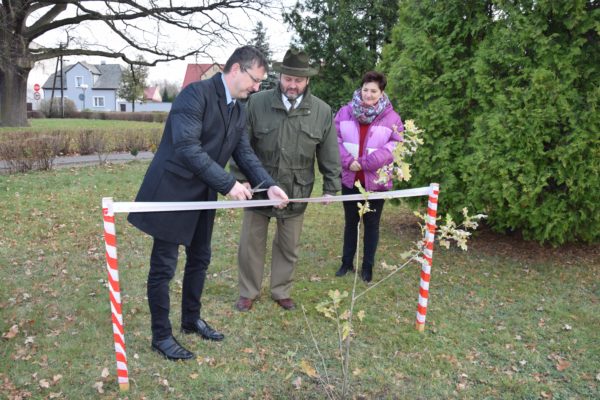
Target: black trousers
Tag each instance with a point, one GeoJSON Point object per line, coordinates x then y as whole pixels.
{"type": "Point", "coordinates": [163, 263]}
{"type": "Point", "coordinates": [370, 228]}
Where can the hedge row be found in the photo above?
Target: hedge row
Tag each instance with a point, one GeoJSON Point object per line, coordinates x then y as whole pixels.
{"type": "Point", "coordinates": [24, 151]}
{"type": "Point", "coordinates": [508, 95]}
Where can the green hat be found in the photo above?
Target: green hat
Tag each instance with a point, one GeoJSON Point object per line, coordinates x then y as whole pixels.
{"type": "Point", "coordinates": [295, 63]}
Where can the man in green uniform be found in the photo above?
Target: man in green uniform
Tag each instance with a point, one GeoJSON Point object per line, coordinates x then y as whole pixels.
{"type": "Point", "coordinates": [288, 129]}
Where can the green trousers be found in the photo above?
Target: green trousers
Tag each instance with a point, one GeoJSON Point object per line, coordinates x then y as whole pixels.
{"type": "Point", "coordinates": [252, 252]}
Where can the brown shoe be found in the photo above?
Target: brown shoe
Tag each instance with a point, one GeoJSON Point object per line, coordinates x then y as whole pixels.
{"type": "Point", "coordinates": [244, 304]}
{"type": "Point", "coordinates": [287, 304]}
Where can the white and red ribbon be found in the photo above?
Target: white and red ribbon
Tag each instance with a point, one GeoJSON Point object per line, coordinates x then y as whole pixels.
{"type": "Point", "coordinates": [110, 208]}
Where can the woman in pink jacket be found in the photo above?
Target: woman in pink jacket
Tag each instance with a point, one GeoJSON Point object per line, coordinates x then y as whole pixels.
{"type": "Point", "coordinates": [368, 129]}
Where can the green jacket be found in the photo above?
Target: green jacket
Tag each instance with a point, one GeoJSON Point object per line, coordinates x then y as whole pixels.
{"type": "Point", "coordinates": [287, 144]}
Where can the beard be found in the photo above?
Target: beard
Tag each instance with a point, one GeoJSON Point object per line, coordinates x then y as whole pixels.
{"type": "Point", "coordinates": [291, 94]}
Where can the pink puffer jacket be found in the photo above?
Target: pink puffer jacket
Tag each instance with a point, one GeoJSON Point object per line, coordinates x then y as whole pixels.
{"type": "Point", "coordinates": [380, 143]}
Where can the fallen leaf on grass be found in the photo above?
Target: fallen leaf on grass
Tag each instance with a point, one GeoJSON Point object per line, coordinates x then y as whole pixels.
{"type": "Point", "coordinates": [12, 332]}
{"type": "Point", "coordinates": [194, 376]}
{"type": "Point", "coordinates": [55, 395]}
{"type": "Point", "coordinates": [308, 369]}
{"type": "Point", "coordinates": [99, 387]}
{"type": "Point", "coordinates": [562, 365]}
{"type": "Point", "coordinates": [297, 383]}
{"type": "Point", "coordinates": [567, 327]}
{"type": "Point", "coordinates": [546, 395]}
{"type": "Point", "coordinates": [541, 323]}
{"type": "Point", "coordinates": [44, 384]}
{"type": "Point", "coordinates": [56, 378]}
{"type": "Point", "coordinates": [361, 315]}
{"type": "Point", "coordinates": [248, 350]}
{"type": "Point", "coordinates": [104, 373]}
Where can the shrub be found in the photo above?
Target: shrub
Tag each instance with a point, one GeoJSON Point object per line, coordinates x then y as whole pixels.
{"type": "Point", "coordinates": [69, 106]}
{"type": "Point", "coordinates": [14, 154]}
{"type": "Point", "coordinates": [85, 142]}
{"type": "Point", "coordinates": [26, 151]}
{"type": "Point", "coordinates": [154, 116]}
{"type": "Point", "coordinates": [43, 150]}
{"type": "Point", "coordinates": [35, 114]}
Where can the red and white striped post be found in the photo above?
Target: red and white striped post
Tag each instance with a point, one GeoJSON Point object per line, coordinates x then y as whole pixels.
{"type": "Point", "coordinates": [434, 190]}
{"type": "Point", "coordinates": [110, 239]}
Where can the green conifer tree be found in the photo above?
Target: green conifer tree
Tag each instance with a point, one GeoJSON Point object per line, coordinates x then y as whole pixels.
{"type": "Point", "coordinates": [508, 94]}
{"type": "Point", "coordinates": [344, 39]}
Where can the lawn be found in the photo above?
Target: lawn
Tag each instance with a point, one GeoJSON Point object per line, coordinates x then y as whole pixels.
{"type": "Point", "coordinates": [42, 125]}
{"type": "Point", "coordinates": [506, 319]}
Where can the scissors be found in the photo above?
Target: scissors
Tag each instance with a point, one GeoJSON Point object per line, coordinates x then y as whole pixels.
{"type": "Point", "coordinates": [258, 188]}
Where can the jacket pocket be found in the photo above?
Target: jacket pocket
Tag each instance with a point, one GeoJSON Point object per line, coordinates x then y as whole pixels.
{"type": "Point", "coordinates": [178, 170]}
{"type": "Point", "coordinates": [308, 140]}
{"type": "Point", "coordinates": [311, 134]}
{"type": "Point", "coordinates": [303, 183]}
{"type": "Point", "coordinates": [265, 140]}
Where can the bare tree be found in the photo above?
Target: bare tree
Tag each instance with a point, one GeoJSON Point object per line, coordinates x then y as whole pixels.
{"type": "Point", "coordinates": [109, 28]}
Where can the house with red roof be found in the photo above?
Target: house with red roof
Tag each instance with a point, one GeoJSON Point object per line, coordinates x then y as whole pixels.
{"type": "Point", "coordinates": [152, 93]}
{"type": "Point", "coordinates": [198, 72]}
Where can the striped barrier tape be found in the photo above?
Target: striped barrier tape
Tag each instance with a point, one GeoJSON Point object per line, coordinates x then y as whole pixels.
{"type": "Point", "coordinates": [110, 208]}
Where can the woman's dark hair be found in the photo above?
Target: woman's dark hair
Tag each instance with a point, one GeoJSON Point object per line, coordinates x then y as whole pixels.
{"type": "Point", "coordinates": [247, 57]}
{"type": "Point", "coordinates": [374, 76]}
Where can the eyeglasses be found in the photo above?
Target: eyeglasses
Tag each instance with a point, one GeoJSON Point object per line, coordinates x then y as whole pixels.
{"type": "Point", "coordinates": [251, 77]}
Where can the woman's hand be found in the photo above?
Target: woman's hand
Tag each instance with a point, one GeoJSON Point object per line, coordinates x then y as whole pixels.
{"type": "Point", "coordinates": [355, 166]}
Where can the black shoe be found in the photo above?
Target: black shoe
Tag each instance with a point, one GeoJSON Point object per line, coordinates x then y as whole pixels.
{"type": "Point", "coordinates": [203, 329]}
{"type": "Point", "coordinates": [171, 349]}
{"type": "Point", "coordinates": [366, 275]}
{"type": "Point", "coordinates": [344, 269]}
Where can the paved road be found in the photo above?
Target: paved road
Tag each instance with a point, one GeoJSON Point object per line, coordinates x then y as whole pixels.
{"type": "Point", "coordinates": [77, 161]}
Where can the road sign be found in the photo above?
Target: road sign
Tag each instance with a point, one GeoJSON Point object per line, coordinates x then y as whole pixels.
{"type": "Point", "coordinates": [36, 87]}
{"type": "Point", "coordinates": [37, 96]}
{"type": "Point", "coordinates": [81, 96]}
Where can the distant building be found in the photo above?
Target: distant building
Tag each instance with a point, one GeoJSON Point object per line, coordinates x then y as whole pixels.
{"type": "Point", "coordinates": [90, 86]}
{"type": "Point", "coordinates": [198, 72]}
{"type": "Point", "coordinates": [153, 94]}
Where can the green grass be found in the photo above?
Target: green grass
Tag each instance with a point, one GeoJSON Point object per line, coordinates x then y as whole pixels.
{"type": "Point", "coordinates": [506, 319]}
{"type": "Point", "coordinates": [42, 125]}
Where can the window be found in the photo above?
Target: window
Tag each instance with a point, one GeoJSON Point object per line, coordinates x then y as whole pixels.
{"type": "Point", "coordinates": [99, 101]}
{"type": "Point", "coordinates": [78, 81]}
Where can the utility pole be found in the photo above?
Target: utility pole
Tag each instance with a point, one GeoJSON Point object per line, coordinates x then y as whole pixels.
{"type": "Point", "coordinates": [62, 84]}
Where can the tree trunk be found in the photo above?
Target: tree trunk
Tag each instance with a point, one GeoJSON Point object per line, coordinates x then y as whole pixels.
{"type": "Point", "coordinates": [13, 96]}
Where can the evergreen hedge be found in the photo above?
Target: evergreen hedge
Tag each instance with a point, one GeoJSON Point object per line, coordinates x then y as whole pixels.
{"type": "Point", "coordinates": [508, 94]}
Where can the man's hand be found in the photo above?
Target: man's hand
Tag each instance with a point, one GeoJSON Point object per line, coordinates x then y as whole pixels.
{"type": "Point", "coordinates": [326, 201]}
{"type": "Point", "coordinates": [239, 192]}
{"type": "Point", "coordinates": [276, 193]}
{"type": "Point", "coordinates": [355, 166]}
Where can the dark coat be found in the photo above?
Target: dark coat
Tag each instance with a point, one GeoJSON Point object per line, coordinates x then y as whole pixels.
{"type": "Point", "coordinates": [189, 165]}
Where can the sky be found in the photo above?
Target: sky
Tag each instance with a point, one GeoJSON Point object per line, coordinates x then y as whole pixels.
{"type": "Point", "coordinates": [278, 34]}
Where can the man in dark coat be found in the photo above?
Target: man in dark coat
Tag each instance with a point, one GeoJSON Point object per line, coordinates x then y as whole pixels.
{"type": "Point", "coordinates": [206, 126]}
